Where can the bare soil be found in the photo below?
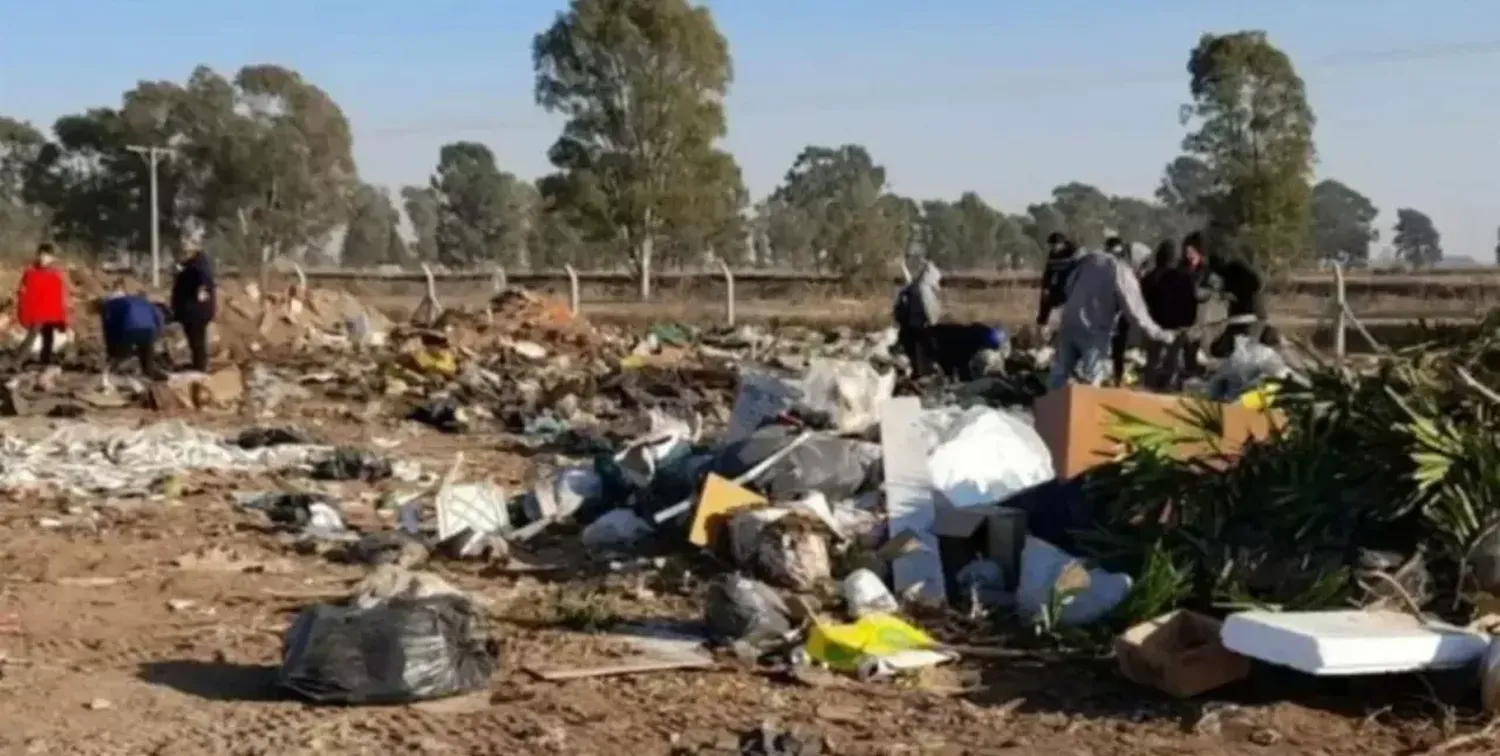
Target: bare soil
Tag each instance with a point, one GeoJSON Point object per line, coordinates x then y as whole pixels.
{"type": "Point", "coordinates": [154, 627]}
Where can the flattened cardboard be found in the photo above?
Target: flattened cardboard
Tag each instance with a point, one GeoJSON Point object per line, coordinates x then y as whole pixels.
{"type": "Point", "coordinates": [718, 501]}
{"type": "Point", "coordinates": [1180, 654]}
{"type": "Point", "coordinates": [1075, 423]}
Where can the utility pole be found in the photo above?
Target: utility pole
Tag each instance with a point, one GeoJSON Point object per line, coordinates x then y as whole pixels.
{"type": "Point", "coordinates": [154, 155]}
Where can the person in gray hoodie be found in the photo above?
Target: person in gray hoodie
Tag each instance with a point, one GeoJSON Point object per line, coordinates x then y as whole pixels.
{"type": "Point", "coordinates": [918, 307]}
{"type": "Point", "coordinates": [1100, 289]}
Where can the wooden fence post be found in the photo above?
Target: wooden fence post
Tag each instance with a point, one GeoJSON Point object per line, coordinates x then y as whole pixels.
{"type": "Point", "coordinates": [573, 296]}
{"type": "Point", "coordinates": [728, 293]}
{"type": "Point", "coordinates": [1340, 312]}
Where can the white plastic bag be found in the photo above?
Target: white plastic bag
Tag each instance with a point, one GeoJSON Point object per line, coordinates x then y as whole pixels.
{"type": "Point", "coordinates": [986, 456]}
{"type": "Point", "coordinates": [1250, 365]}
{"type": "Point", "coordinates": [849, 392]}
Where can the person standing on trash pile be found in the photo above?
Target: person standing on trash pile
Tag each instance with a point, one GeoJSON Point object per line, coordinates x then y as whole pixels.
{"type": "Point", "coordinates": [1062, 253]}
{"type": "Point", "coordinates": [194, 301]}
{"type": "Point", "coordinates": [1172, 295]}
{"type": "Point", "coordinates": [1120, 342]}
{"type": "Point", "coordinates": [1244, 288]}
{"type": "Point", "coordinates": [1100, 289]}
{"type": "Point", "coordinates": [42, 303]}
{"type": "Point", "coordinates": [132, 325]}
{"type": "Point", "coordinates": [918, 307]}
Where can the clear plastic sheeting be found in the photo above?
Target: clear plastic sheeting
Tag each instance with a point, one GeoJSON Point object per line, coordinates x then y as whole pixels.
{"type": "Point", "coordinates": [84, 458]}
{"type": "Point", "coordinates": [986, 456]}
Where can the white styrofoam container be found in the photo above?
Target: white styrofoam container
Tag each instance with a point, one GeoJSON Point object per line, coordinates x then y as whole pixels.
{"type": "Point", "coordinates": [1351, 642]}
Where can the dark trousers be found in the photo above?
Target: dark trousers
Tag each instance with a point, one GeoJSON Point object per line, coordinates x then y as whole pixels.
{"type": "Point", "coordinates": [917, 343]}
{"type": "Point", "coordinates": [141, 345]}
{"type": "Point", "coordinates": [48, 335]}
{"type": "Point", "coordinates": [196, 330]}
{"type": "Point", "coordinates": [1117, 346]}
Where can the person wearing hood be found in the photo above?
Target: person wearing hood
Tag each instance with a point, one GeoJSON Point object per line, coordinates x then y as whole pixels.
{"type": "Point", "coordinates": [1062, 253]}
{"type": "Point", "coordinates": [1100, 289]}
{"type": "Point", "coordinates": [918, 307]}
{"type": "Point", "coordinates": [1172, 295]}
{"type": "Point", "coordinates": [1244, 288]}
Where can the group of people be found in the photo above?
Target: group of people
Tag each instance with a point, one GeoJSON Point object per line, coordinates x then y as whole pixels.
{"type": "Point", "coordinates": [1104, 299]}
{"type": "Point", "coordinates": [132, 324]}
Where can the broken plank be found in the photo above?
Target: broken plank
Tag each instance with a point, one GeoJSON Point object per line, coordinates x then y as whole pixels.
{"type": "Point", "coordinates": [628, 668]}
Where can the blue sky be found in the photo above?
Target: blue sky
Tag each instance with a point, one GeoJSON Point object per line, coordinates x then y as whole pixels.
{"type": "Point", "coordinates": [1005, 98]}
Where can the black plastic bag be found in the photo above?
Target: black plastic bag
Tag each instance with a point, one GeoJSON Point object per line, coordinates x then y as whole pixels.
{"type": "Point", "coordinates": [837, 467]}
{"type": "Point", "coordinates": [352, 463]}
{"type": "Point", "coordinates": [400, 651]}
{"type": "Point", "coordinates": [742, 609]}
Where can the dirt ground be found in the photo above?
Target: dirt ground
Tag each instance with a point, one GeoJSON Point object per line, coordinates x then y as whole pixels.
{"type": "Point", "coordinates": [154, 627]}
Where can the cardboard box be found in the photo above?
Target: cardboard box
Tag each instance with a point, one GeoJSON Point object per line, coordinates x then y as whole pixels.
{"type": "Point", "coordinates": [1075, 423]}
{"type": "Point", "coordinates": [1180, 654]}
{"type": "Point", "coordinates": [990, 531]}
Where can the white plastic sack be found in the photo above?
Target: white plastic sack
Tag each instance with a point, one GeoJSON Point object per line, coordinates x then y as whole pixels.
{"type": "Point", "coordinates": [850, 393]}
{"type": "Point", "coordinates": [987, 456]}
{"type": "Point", "coordinates": [1250, 365]}
{"type": "Point", "coordinates": [1041, 566]}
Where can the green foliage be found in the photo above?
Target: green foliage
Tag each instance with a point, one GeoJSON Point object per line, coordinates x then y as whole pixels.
{"type": "Point", "coordinates": [1417, 240]}
{"type": "Point", "coordinates": [22, 222]}
{"type": "Point", "coordinates": [1254, 136]}
{"type": "Point", "coordinates": [1402, 457]}
{"type": "Point", "coordinates": [642, 86]}
{"type": "Point", "coordinates": [1343, 223]}
{"type": "Point", "coordinates": [372, 236]}
{"type": "Point", "coordinates": [482, 214]}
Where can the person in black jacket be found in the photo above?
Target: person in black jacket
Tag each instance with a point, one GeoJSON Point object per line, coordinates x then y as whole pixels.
{"type": "Point", "coordinates": [1172, 293]}
{"type": "Point", "coordinates": [1061, 254]}
{"type": "Point", "coordinates": [194, 302]}
{"type": "Point", "coordinates": [1244, 287]}
{"type": "Point", "coordinates": [957, 345]}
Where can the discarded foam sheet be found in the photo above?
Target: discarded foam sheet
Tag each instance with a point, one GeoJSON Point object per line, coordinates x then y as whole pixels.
{"type": "Point", "coordinates": [850, 392]}
{"type": "Point", "coordinates": [1352, 642]}
{"type": "Point", "coordinates": [477, 507]}
{"type": "Point", "coordinates": [986, 456]}
{"type": "Point", "coordinates": [908, 494]}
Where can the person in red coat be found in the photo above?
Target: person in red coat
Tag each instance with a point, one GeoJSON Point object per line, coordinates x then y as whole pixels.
{"type": "Point", "coordinates": [42, 302]}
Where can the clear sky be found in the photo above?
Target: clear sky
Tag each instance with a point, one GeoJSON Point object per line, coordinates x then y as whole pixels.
{"type": "Point", "coordinates": [1005, 98]}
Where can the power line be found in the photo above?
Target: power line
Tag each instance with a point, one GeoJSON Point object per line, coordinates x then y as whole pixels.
{"type": "Point", "coordinates": [1011, 87]}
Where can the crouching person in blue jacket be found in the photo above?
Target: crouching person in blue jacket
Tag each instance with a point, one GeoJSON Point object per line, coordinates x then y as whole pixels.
{"type": "Point", "coordinates": [132, 327]}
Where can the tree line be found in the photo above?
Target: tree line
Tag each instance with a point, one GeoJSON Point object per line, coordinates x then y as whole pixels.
{"type": "Point", "coordinates": [261, 167]}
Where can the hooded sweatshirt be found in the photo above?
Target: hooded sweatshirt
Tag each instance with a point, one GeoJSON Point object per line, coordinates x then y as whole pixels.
{"type": "Point", "coordinates": [1055, 281]}
{"type": "Point", "coordinates": [1171, 290]}
{"type": "Point", "coordinates": [922, 295]}
{"type": "Point", "coordinates": [1100, 290]}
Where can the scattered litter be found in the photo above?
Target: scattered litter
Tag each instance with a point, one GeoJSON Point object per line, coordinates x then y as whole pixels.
{"type": "Point", "coordinates": [875, 646]}
{"type": "Point", "coordinates": [616, 528]}
{"type": "Point", "coordinates": [1352, 642]}
{"type": "Point", "coordinates": [1180, 654]}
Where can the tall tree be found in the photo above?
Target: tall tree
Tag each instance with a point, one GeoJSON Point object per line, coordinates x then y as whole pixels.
{"type": "Point", "coordinates": [642, 84]}
{"type": "Point", "coordinates": [1343, 223]}
{"type": "Point", "coordinates": [1184, 184]}
{"type": "Point", "coordinates": [1417, 240]}
{"type": "Point", "coordinates": [786, 236]}
{"type": "Point", "coordinates": [861, 230]}
{"type": "Point", "coordinates": [373, 236]}
{"type": "Point", "coordinates": [482, 212]}
{"type": "Point", "coordinates": [22, 220]}
{"type": "Point", "coordinates": [1255, 135]}
{"type": "Point", "coordinates": [421, 206]}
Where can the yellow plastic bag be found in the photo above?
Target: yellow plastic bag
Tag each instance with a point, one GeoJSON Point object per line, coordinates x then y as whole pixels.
{"type": "Point", "coordinates": [845, 647]}
{"type": "Point", "coordinates": [439, 361]}
{"type": "Point", "coordinates": [1259, 399]}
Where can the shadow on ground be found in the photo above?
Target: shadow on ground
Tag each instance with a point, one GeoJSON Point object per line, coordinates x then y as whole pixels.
{"type": "Point", "coordinates": [214, 681]}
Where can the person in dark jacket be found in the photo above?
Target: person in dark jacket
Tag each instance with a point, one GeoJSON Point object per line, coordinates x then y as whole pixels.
{"type": "Point", "coordinates": [918, 307]}
{"type": "Point", "coordinates": [1120, 342]}
{"type": "Point", "coordinates": [1172, 293]}
{"type": "Point", "coordinates": [957, 345]}
{"type": "Point", "coordinates": [194, 302]}
{"type": "Point", "coordinates": [1062, 253]}
{"type": "Point", "coordinates": [1244, 287]}
{"type": "Point", "coordinates": [132, 325]}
